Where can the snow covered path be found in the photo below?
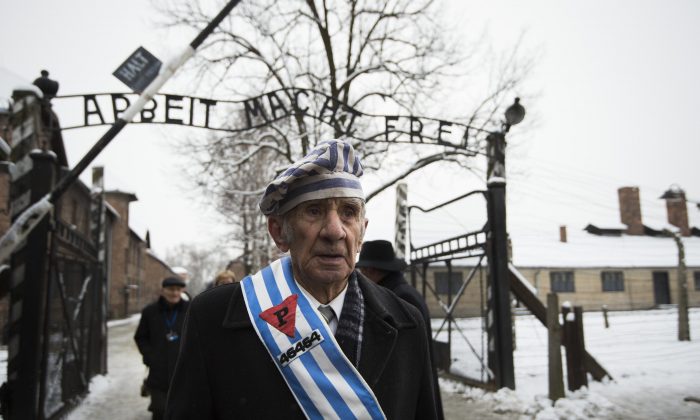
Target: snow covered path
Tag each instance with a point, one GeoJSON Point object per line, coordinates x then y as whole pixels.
{"type": "Point", "coordinates": [117, 394]}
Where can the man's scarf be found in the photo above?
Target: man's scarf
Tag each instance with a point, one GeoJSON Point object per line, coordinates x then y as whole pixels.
{"type": "Point", "coordinates": [321, 377]}
{"type": "Point", "coordinates": [349, 332]}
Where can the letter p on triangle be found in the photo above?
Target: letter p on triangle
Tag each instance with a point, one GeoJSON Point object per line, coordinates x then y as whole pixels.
{"type": "Point", "coordinates": [282, 316]}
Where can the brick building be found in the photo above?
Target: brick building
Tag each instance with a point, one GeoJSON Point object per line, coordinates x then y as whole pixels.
{"type": "Point", "coordinates": [624, 266]}
{"type": "Point", "coordinates": [135, 272]}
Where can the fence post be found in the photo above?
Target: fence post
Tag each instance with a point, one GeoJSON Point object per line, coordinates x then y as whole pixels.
{"type": "Point", "coordinates": [556, 380]}
{"type": "Point", "coordinates": [575, 349]}
{"type": "Point", "coordinates": [605, 316]}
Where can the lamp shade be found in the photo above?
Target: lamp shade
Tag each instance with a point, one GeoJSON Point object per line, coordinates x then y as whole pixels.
{"type": "Point", "coordinates": [515, 113]}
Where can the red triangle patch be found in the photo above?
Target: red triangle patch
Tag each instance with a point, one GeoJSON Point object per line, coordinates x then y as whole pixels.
{"type": "Point", "coordinates": [282, 316]}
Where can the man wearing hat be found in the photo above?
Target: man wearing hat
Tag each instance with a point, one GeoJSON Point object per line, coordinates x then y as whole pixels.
{"type": "Point", "coordinates": [308, 336]}
{"type": "Point", "coordinates": [378, 262]}
{"type": "Point", "coordinates": [158, 340]}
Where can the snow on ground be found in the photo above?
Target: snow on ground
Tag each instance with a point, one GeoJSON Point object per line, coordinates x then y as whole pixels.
{"type": "Point", "coordinates": [117, 394]}
{"type": "Point", "coordinates": [653, 372]}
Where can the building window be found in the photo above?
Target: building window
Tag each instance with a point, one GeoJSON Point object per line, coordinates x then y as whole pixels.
{"type": "Point", "coordinates": [697, 279]}
{"type": "Point", "coordinates": [613, 281]}
{"type": "Point", "coordinates": [562, 281]}
{"type": "Point", "coordinates": [443, 287]}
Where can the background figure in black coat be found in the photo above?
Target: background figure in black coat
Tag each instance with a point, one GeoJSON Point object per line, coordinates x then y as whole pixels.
{"type": "Point", "coordinates": [158, 340]}
{"type": "Point", "coordinates": [379, 263]}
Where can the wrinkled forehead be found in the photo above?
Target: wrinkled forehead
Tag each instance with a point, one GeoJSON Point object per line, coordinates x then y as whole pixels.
{"type": "Point", "coordinates": [331, 202]}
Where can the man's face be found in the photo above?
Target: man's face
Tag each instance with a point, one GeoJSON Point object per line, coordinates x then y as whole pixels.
{"type": "Point", "coordinates": [172, 294]}
{"type": "Point", "coordinates": [323, 238]}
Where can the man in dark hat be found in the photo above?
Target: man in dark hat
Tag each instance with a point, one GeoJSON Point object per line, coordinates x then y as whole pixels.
{"type": "Point", "coordinates": [379, 263]}
{"type": "Point", "coordinates": [307, 337]}
{"type": "Point", "coordinates": [158, 340]}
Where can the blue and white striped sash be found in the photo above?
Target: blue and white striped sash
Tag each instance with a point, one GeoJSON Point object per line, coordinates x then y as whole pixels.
{"type": "Point", "coordinates": [323, 381]}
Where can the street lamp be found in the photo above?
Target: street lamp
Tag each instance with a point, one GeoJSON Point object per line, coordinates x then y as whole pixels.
{"type": "Point", "coordinates": [500, 331]}
{"type": "Point", "coordinates": [514, 114]}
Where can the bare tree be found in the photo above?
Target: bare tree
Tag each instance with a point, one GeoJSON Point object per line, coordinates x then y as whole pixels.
{"type": "Point", "coordinates": [381, 56]}
{"type": "Point", "coordinates": [202, 263]}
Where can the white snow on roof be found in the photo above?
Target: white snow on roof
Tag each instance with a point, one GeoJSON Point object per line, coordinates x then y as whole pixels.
{"type": "Point", "coordinates": [587, 250]}
{"type": "Point", "coordinates": [10, 81]}
{"type": "Point", "coordinates": [180, 270]}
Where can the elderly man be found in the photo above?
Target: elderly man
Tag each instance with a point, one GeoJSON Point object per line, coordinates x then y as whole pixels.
{"type": "Point", "coordinates": [307, 336]}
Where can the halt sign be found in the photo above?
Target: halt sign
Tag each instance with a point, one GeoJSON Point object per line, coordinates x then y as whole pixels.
{"type": "Point", "coordinates": [139, 70]}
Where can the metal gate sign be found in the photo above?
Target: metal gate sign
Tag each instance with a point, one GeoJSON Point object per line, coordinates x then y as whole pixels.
{"type": "Point", "coordinates": [269, 107]}
{"type": "Point", "coordinates": [139, 70]}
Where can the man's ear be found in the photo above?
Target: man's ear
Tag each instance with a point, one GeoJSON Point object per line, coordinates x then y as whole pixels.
{"type": "Point", "coordinates": [274, 226]}
{"type": "Point", "coordinates": [362, 236]}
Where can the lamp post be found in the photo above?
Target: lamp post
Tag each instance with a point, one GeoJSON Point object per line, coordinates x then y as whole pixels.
{"type": "Point", "coordinates": [674, 195]}
{"type": "Point", "coordinates": [500, 328]}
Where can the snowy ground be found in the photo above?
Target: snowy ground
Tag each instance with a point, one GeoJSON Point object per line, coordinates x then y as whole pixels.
{"type": "Point", "coordinates": [653, 374]}
{"type": "Point", "coordinates": [117, 394]}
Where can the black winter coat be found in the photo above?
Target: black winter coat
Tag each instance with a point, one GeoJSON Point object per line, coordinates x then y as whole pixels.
{"type": "Point", "coordinates": [225, 372]}
{"type": "Point", "coordinates": [159, 353]}
{"type": "Point", "coordinates": [395, 282]}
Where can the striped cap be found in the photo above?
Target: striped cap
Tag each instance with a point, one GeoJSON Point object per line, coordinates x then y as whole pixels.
{"type": "Point", "coordinates": [331, 169]}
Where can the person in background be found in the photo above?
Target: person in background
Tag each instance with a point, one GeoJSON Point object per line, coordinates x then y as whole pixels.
{"type": "Point", "coordinates": [158, 340]}
{"type": "Point", "coordinates": [184, 274]}
{"type": "Point", "coordinates": [379, 263]}
{"type": "Point", "coordinates": [307, 336]}
{"type": "Point", "coordinates": [225, 277]}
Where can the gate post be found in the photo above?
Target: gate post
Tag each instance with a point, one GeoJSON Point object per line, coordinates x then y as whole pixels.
{"type": "Point", "coordinates": [500, 329]}
{"type": "Point", "coordinates": [28, 301]}
{"type": "Point", "coordinates": [98, 232]}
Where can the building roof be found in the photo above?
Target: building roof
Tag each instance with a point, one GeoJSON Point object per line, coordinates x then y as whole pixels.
{"type": "Point", "coordinates": [583, 249]}
{"type": "Point", "coordinates": [129, 195]}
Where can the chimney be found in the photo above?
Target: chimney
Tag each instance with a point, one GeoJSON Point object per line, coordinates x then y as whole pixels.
{"type": "Point", "coordinates": [562, 233]}
{"type": "Point", "coordinates": [630, 210]}
{"type": "Point", "coordinates": [676, 209]}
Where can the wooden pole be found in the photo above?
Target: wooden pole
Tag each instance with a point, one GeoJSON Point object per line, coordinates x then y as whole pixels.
{"type": "Point", "coordinates": [605, 316]}
{"type": "Point", "coordinates": [556, 375]}
{"type": "Point", "coordinates": [683, 323]}
{"type": "Point", "coordinates": [575, 348]}
{"type": "Point", "coordinates": [580, 347]}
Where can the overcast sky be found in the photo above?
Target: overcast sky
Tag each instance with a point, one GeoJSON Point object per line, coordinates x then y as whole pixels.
{"type": "Point", "coordinates": [611, 103]}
